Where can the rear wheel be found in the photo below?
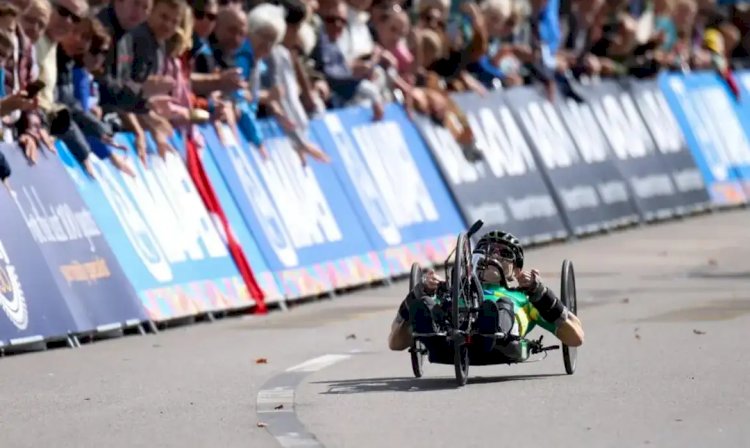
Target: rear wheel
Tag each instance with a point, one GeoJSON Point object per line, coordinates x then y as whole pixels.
{"type": "Point", "coordinates": [461, 361]}
{"type": "Point", "coordinates": [418, 349]}
{"type": "Point", "coordinates": [461, 304]}
{"type": "Point", "coordinates": [568, 297]}
{"type": "Point", "coordinates": [418, 352]}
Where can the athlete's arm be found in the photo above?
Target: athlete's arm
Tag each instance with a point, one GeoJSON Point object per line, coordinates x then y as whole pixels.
{"type": "Point", "coordinates": [568, 327]}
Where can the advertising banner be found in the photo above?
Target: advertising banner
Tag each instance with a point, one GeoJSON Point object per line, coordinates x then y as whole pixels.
{"type": "Point", "coordinates": [505, 188]}
{"type": "Point", "coordinates": [712, 130]}
{"type": "Point", "coordinates": [300, 216]}
{"type": "Point", "coordinates": [635, 151]}
{"type": "Point", "coordinates": [393, 184]}
{"type": "Point", "coordinates": [670, 142]}
{"type": "Point", "coordinates": [161, 233]}
{"type": "Point", "coordinates": [589, 188]}
{"type": "Point", "coordinates": [33, 308]}
{"type": "Point", "coordinates": [96, 290]}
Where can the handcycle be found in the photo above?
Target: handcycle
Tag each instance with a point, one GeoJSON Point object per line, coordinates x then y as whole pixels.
{"type": "Point", "coordinates": [461, 296]}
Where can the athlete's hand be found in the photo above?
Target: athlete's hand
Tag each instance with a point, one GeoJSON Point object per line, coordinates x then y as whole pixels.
{"type": "Point", "coordinates": [528, 279]}
{"type": "Point", "coordinates": [431, 281]}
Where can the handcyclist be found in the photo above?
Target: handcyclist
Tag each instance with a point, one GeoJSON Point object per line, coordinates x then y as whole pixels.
{"type": "Point", "coordinates": [512, 310]}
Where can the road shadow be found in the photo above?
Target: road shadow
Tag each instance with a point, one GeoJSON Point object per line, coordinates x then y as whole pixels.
{"type": "Point", "coordinates": [411, 384]}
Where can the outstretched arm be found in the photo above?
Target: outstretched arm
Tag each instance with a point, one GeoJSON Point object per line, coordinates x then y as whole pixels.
{"type": "Point", "coordinates": [567, 326]}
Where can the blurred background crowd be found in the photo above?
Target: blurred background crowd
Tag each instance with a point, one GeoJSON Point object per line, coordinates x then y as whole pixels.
{"type": "Point", "coordinates": [82, 71]}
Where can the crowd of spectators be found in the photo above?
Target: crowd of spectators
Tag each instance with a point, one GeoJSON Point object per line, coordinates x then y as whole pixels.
{"type": "Point", "coordinates": [81, 71]}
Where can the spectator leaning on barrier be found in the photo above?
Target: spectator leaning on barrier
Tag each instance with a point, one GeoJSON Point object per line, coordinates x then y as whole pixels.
{"type": "Point", "coordinates": [430, 97]}
{"type": "Point", "coordinates": [9, 103]}
{"type": "Point", "coordinates": [284, 90]}
{"type": "Point", "coordinates": [19, 69]}
{"type": "Point", "coordinates": [143, 59]}
{"type": "Point", "coordinates": [391, 30]}
{"type": "Point", "coordinates": [229, 36]}
{"type": "Point", "coordinates": [88, 129]}
{"type": "Point", "coordinates": [119, 18]}
{"type": "Point", "coordinates": [65, 14]}
{"type": "Point", "coordinates": [206, 81]}
{"type": "Point", "coordinates": [33, 24]}
{"type": "Point", "coordinates": [347, 87]}
{"type": "Point", "coordinates": [266, 28]}
{"type": "Point", "coordinates": [187, 109]}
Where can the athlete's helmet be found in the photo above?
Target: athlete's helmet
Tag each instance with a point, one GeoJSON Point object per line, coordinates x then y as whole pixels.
{"type": "Point", "coordinates": [497, 237]}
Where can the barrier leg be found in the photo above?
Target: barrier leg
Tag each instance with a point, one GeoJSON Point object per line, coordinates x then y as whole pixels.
{"type": "Point", "coordinates": [152, 327]}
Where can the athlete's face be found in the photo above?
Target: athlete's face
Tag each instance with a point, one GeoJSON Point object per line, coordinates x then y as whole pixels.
{"type": "Point", "coordinates": [505, 257]}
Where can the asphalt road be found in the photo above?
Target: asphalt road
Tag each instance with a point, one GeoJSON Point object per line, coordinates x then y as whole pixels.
{"type": "Point", "coordinates": [666, 310]}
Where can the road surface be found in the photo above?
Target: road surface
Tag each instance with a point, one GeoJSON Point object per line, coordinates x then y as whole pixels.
{"type": "Point", "coordinates": [666, 310]}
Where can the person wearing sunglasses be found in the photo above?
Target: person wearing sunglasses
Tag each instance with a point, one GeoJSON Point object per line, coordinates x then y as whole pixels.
{"type": "Point", "coordinates": [515, 301]}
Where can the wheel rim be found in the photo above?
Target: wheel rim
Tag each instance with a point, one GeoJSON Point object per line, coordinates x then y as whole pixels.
{"type": "Point", "coordinates": [462, 364]}
{"type": "Point", "coordinates": [461, 285]}
{"type": "Point", "coordinates": [415, 277]}
{"type": "Point", "coordinates": [417, 359]}
{"type": "Point", "coordinates": [568, 291]}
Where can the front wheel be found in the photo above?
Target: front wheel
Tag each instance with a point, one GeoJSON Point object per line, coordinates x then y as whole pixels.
{"type": "Point", "coordinates": [568, 297]}
{"type": "Point", "coordinates": [461, 361]}
{"type": "Point", "coordinates": [418, 351]}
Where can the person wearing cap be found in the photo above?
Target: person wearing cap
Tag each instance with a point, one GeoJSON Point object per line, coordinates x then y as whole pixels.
{"type": "Point", "coordinates": [713, 41]}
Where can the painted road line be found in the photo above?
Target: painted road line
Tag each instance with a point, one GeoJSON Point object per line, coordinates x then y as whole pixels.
{"type": "Point", "coordinates": [319, 363]}
{"type": "Point", "coordinates": [274, 404]}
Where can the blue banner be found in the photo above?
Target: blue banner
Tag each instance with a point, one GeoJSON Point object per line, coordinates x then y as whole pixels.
{"type": "Point", "coordinates": [33, 308]}
{"type": "Point", "coordinates": [393, 183]}
{"type": "Point", "coordinates": [162, 235]}
{"type": "Point", "coordinates": [87, 273]}
{"type": "Point", "coordinates": [715, 136]}
{"type": "Point", "coordinates": [742, 107]}
{"type": "Point", "coordinates": [300, 216]}
{"type": "Point", "coordinates": [669, 141]}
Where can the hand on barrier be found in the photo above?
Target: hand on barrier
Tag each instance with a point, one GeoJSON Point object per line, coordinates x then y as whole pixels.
{"type": "Point", "coordinates": [121, 164]}
{"type": "Point", "coordinates": [29, 146]}
{"type": "Point", "coordinates": [110, 141]}
{"type": "Point", "coordinates": [313, 151]}
{"type": "Point", "coordinates": [286, 123]}
{"type": "Point", "coordinates": [378, 111]}
{"type": "Point", "coordinates": [163, 147]}
{"type": "Point", "coordinates": [263, 152]}
{"type": "Point", "coordinates": [88, 168]}
{"type": "Point", "coordinates": [141, 148]}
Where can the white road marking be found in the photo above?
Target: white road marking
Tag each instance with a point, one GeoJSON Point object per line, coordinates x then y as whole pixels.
{"type": "Point", "coordinates": [275, 405]}
{"type": "Point", "coordinates": [293, 439]}
{"type": "Point", "coordinates": [315, 364]}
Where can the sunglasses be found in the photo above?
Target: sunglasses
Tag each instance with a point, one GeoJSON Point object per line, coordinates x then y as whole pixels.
{"type": "Point", "coordinates": [200, 15]}
{"type": "Point", "coordinates": [65, 13]}
{"type": "Point", "coordinates": [501, 252]}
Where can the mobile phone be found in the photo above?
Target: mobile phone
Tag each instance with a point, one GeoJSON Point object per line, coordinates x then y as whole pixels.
{"type": "Point", "coordinates": [34, 88]}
